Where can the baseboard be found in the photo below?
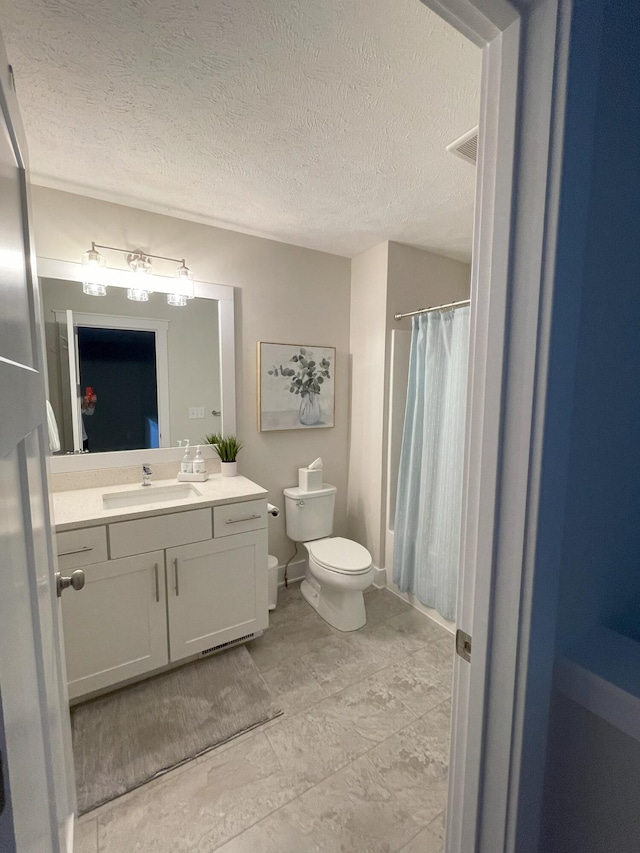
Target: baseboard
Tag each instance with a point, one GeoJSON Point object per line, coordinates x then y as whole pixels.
{"type": "Point", "coordinates": [295, 572]}
{"type": "Point", "coordinates": [426, 611]}
{"type": "Point", "coordinates": [379, 578]}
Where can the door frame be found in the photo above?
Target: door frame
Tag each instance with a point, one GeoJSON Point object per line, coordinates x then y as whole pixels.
{"type": "Point", "coordinates": [46, 623]}
{"type": "Point", "coordinates": [511, 544]}
{"type": "Point", "coordinates": [160, 328]}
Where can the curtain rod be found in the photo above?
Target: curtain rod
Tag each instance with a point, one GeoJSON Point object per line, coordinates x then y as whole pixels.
{"type": "Point", "coordinates": [435, 308]}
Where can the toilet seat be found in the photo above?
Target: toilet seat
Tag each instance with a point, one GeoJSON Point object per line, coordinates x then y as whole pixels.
{"type": "Point", "coordinates": [342, 556]}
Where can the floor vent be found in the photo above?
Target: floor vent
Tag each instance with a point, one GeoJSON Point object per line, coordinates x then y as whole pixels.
{"type": "Point", "coordinates": [226, 645]}
{"type": "Point", "coordinates": [466, 147]}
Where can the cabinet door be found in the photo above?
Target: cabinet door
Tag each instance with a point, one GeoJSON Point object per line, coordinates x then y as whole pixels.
{"type": "Point", "coordinates": [115, 628]}
{"type": "Point", "coordinates": [217, 592]}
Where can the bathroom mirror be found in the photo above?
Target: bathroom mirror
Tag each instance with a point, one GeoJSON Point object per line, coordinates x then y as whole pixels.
{"type": "Point", "coordinates": [126, 376]}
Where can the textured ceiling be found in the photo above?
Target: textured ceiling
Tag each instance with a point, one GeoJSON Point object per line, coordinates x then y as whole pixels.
{"type": "Point", "coordinates": [319, 124]}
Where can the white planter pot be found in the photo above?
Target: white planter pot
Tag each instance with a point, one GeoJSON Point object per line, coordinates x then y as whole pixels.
{"type": "Point", "coordinates": [229, 469]}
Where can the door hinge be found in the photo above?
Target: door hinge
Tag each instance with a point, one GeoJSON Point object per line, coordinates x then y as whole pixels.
{"type": "Point", "coordinates": [463, 645]}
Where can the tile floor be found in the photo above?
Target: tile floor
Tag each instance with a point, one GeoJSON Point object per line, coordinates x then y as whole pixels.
{"type": "Point", "coordinates": [356, 764]}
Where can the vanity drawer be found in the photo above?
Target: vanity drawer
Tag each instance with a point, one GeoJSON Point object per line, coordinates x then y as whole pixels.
{"type": "Point", "coordinates": [239, 518]}
{"type": "Point", "coordinates": [81, 547]}
{"type": "Point", "coordinates": [158, 532]}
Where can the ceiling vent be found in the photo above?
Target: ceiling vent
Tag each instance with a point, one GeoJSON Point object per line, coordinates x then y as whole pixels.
{"type": "Point", "coordinates": [466, 147]}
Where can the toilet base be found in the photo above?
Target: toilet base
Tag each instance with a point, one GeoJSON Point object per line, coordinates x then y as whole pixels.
{"type": "Point", "coordinates": [341, 608]}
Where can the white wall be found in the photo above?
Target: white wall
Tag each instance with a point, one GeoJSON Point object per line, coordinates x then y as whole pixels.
{"type": "Point", "coordinates": [387, 279]}
{"type": "Point", "coordinates": [285, 294]}
{"type": "Point", "coordinates": [368, 343]}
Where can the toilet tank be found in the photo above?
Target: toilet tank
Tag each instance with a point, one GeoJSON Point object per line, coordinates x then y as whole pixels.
{"type": "Point", "coordinates": [309, 514]}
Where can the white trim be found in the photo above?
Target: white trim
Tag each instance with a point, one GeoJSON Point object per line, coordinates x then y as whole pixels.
{"type": "Point", "coordinates": [379, 578]}
{"type": "Point", "coordinates": [227, 353]}
{"type": "Point", "coordinates": [429, 612]}
{"type": "Point", "coordinates": [114, 321]}
{"type": "Point", "coordinates": [121, 459]}
{"type": "Point", "coordinates": [71, 271]}
{"type": "Point", "coordinates": [506, 599]}
{"type": "Point", "coordinates": [65, 318]}
{"type": "Point", "coordinates": [225, 297]}
{"type": "Point", "coordinates": [295, 572]}
{"type": "Point", "coordinates": [599, 696]}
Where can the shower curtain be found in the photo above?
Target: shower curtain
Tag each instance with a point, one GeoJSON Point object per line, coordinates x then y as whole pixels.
{"type": "Point", "coordinates": [429, 496]}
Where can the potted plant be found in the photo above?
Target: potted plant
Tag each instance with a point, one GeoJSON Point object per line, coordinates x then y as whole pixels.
{"type": "Point", "coordinates": [227, 447]}
{"type": "Point", "coordinates": [305, 380]}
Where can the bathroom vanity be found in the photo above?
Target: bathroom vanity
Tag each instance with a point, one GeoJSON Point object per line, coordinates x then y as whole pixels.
{"type": "Point", "coordinates": [172, 571]}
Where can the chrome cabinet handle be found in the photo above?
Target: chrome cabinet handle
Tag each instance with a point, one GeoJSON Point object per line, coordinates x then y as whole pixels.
{"type": "Point", "coordinates": [76, 551]}
{"type": "Point", "coordinates": [246, 518]}
{"type": "Point", "coordinates": [76, 580]}
{"type": "Point", "coordinates": [175, 574]}
{"type": "Point", "coordinates": [155, 570]}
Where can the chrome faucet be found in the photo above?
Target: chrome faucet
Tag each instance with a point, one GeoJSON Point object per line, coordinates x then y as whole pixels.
{"type": "Point", "coordinates": [146, 475]}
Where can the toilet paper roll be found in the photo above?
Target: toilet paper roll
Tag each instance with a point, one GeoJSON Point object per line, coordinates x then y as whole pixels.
{"type": "Point", "coordinates": [273, 510]}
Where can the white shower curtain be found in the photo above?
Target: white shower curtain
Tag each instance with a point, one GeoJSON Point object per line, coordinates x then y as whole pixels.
{"type": "Point", "coordinates": [429, 496]}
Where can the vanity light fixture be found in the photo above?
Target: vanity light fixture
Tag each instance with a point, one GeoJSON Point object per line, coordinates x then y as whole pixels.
{"type": "Point", "coordinates": [184, 289]}
{"type": "Point", "coordinates": [93, 263]}
{"type": "Point", "coordinates": [140, 263]}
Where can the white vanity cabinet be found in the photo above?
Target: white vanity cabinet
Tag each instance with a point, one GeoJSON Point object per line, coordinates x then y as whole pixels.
{"type": "Point", "coordinates": [216, 592]}
{"type": "Point", "coordinates": [115, 627]}
{"type": "Point", "coordinates": [160, 589]}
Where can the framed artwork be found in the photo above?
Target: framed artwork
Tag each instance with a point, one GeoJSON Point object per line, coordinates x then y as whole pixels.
{"type": "Point", "coordinates": [295, 386]}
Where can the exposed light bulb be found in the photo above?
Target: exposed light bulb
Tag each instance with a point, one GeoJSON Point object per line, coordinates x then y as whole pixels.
{"type": "Point", "coordinates": [176, 299]}
{"type": "Point", "coordinates": [93, 289]}
{"type": "Point", "coordinates": [184, 289]}
{"type": "Point", "coordinates": [92, 258]}
{"type": "Point", "coordinates": [137, 294]}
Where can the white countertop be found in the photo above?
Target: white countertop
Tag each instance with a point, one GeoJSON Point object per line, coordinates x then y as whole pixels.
{"type": "Point", "coordinates": [84, 508]}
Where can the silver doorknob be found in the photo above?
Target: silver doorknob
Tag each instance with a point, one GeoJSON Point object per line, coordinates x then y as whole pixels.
{"type": "Point", "coordinates": [76, 580]}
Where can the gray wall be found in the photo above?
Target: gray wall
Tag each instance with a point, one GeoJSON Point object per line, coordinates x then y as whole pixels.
{"type": "Point", "coordinates": [386, 279]}
{"type": "Point", "coordinates": [285, 294]}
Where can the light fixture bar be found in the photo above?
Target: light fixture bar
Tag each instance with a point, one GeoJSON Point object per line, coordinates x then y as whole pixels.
{"type": "Point", "coordinates": [130, 252]}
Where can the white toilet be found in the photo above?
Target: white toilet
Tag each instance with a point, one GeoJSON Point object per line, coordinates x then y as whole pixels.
{"type": "Point", "coordinates": [339, 570]}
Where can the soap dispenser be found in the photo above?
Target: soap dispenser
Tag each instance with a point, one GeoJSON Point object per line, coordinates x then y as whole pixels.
{"type": "Point", "coordinates": [186, 466]}
{"type": "Point", "coordinates": [198, 463]}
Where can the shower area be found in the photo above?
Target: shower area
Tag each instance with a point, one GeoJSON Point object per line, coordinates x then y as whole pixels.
{"type": "Point", "coordinates": [427, 391]}
{"type": "Point", "coordinates": [404, 506]}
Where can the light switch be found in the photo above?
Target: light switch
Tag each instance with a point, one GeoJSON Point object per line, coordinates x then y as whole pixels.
{"type": "Point", "coordinates": [196, 412]}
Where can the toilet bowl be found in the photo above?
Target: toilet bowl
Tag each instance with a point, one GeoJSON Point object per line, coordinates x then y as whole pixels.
{"type": "Point", "coordinates": [339, 570]}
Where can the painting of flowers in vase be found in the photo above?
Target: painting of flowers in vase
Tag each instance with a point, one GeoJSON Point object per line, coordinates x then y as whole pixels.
{"type": "Point", "coordinates": [295, 386]}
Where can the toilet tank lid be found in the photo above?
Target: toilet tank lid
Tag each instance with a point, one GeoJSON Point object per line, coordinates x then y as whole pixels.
{"type": "Point", "coordinates": [296, 492]}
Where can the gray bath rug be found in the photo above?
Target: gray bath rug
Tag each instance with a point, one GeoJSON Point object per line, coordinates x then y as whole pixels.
{"type": "Point", "coordinates": [133, 735]}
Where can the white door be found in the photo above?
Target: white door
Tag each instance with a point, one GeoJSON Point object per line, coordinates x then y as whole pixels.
{"type": "Point", "coordinates": [217, 592]}
{"type": "Point", "coordinates": [37, 778]}
{"type": "Point", "coordinates": [74, 382]}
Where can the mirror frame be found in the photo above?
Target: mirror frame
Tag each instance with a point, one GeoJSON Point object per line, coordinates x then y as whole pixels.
{"type": "Point", "coordinates": [225, 296]}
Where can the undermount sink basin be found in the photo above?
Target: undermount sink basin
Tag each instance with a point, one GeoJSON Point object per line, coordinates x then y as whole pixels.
{"type": "Point", "coordinates": [150, 495]}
